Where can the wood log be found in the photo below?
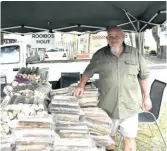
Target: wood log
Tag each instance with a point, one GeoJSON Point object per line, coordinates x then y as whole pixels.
{"type": "Point", "coordinates": [21, 71]}
{"type": "Point", "coordinates": [29, 74]}
{"type": "Point", "coordinates": [33, 70]}
{"type": "Point", "coordinates": [25, 73]}
{"type": "Point", "coordinates": [15, 83]}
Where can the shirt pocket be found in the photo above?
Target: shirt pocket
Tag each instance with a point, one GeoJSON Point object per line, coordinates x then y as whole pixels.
{"type": "Point", "coordinates": [132, 70]}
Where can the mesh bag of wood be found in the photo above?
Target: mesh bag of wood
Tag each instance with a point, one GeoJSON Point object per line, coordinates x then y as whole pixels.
{"type": "Point", "coordinates": [102, 140]}
{"type": "Point", "coordinates": [30, 145]}
{"type": "Point", "coordinates": [67, 117]}
{"type": "Point", "coordinates": [32, 74]}
{"type": "Point", "coordinates": [74, 142]}
{"type": "Point", "coordinates": [89, 98]}
{"type": "Point", "coordinates": [70, 148]}
{"type": "Point", "coordinates": [96, 113]}
{"type": "Point", "coordinates": [65, 107]}
{"type": "Point", "coordinates": [75, 130]}
{"type": "Point", "coordinates": [97, 120]}
{"type": "Point", "coordinates": [102, 127]}
{"type": "Point", "coordinates": [7, 144]}
{"type": "Point", "coordinates": [34, 128]}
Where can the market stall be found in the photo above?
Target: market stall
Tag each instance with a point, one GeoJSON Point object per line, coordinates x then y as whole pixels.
{"type": "Point", "coordinates": [35, 117]}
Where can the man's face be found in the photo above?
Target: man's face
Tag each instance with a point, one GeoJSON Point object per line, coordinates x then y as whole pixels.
{"type": "Point", "coordinates": [115, 38]}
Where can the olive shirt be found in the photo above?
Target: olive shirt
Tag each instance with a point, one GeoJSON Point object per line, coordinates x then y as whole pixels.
{"type": "Point", "coordinates": [120, 93]}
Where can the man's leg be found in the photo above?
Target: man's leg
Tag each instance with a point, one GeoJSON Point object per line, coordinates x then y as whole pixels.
{"type": "Point", "coordinates": [129, 128]}
{"type": "Point", "coordinates": [113, 133]}
{"type": "Point", "coordinates": [111, 147]}
{"type": "Point", "coordinates": [129, 144]}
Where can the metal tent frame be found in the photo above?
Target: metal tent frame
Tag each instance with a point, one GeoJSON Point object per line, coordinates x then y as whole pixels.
{"type": "Point", "coordinates": [137, 29]}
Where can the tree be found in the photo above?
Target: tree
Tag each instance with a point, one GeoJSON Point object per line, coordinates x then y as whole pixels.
{"type": "Point", "coordinates": [161, 50]}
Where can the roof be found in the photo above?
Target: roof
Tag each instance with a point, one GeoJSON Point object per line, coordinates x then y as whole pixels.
{"type": "Point", "coordinates": [59, 14]}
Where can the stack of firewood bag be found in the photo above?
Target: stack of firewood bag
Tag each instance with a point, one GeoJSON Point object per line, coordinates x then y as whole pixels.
{"type": "Point", "coordinates": [65, 107]}
{"type": "Point", "coordinates": [90, 97]}
{"type": "Point", "coordinates": [97, 120]}
{"type": "Point", "coordinates": [74, 137]}
{"type": "Point", "coordinates": [23, 98]}
{"type": "Point", "coordinates": [34, 133]}
{"type": "Point", "coordinates": [99, 124]}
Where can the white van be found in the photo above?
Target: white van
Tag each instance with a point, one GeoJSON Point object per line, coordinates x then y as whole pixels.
{"type": "Point", "coordinates": [12, 58]}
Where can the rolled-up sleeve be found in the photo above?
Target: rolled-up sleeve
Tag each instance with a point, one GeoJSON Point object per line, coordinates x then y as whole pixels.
{"type": "Point", "coordinates": [143, 68]}
{"type": "Point", "coordinates": [92, 68]}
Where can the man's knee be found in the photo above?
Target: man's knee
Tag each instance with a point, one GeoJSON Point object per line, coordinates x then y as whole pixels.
{"type": "Point", "coordinates": [128, 139]}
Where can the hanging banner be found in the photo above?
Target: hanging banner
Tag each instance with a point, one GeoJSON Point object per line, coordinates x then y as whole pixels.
{"type": "Point", "coordinates": [43, 40]}
{"type": "Point", "coordinates": [99, 40]}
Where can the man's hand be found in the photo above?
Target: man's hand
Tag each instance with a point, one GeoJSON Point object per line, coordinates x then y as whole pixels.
{"type": "Point", "coordinates": [79, 91]}
{"type": "Point", "coordinates": [146, 104]}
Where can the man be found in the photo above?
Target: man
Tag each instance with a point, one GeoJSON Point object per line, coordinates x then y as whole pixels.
{"type": "Point", "coordinates": [122, 72]}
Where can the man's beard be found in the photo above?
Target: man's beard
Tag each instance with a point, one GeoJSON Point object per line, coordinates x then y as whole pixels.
{"type": "Point", "coordinates": [114, 50]}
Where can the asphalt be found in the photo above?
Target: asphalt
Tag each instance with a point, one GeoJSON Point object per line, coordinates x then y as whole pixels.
{"type": "Point", "coordinates": [156, 63]}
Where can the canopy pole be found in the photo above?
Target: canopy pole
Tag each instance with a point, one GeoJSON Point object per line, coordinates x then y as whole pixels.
{"type": "Point", "coordinates": [91, 26]}
{"type": "Point", "coordinates": [138, 35]}
{"type": "Point", "coordinates": [163, 11]}
{"type": "Point", "coordinates": [94, 32]}
{"type": "Point", "coordinates": [126, 23]}
{"type": "Point", "coordinates": [148, 23]}
{"type": "Point", "coordinates": [128, 30]}
{"type": "Point", "coordinates": [140, 39]}
{"type": "Point", "coordinates": [8, 32]}
{"type": "Point", "coordinates": [34, 28]}
{"type": "Point", "coordinates": [132, 16]}
{"type": "Point", "coordinates": [131, 22]}
{"type": "Point", "coordinates": [15, 27]}
{"type": "Point", "coordinates": [129, 19]}
{"type": "Point", "coordinates": [65, 28]}
{"type": "Point", "coordinates": [150, 20]}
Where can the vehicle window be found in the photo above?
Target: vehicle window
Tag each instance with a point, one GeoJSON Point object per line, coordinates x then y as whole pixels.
{"type": "Point", "coordinates": [10, 54]}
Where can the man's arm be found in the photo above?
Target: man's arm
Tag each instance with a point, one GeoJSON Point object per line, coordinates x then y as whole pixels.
{"type": "Point", "coordinates": [90, 70]}
{"type": "Point", "coordinates": [144, 87]}
{"type": "Point", "coordinates": [83, 81]}
{"type": "Point", "coordinates": [143, 81]}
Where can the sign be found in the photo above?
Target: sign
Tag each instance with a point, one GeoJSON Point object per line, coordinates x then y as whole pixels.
{"type": "Point", "coordinates": [99, 40]}
{"type": "Point", "coordinates": [8, 41]}
{"type": "Point", "coordinates": [43, 40]}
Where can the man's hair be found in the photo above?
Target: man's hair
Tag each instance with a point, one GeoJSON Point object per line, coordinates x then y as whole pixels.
{"type": "Point", "coordinates": [114, 27]}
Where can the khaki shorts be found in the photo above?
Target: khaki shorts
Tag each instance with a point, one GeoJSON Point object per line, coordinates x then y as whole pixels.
{"type": "Point", "coordinates": [128, 126]}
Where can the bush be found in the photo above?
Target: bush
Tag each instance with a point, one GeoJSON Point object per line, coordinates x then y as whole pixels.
{"type": "Point", "coordinates": [83, 51]}
{"type": "Point", "coordinates": [153, 53]}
